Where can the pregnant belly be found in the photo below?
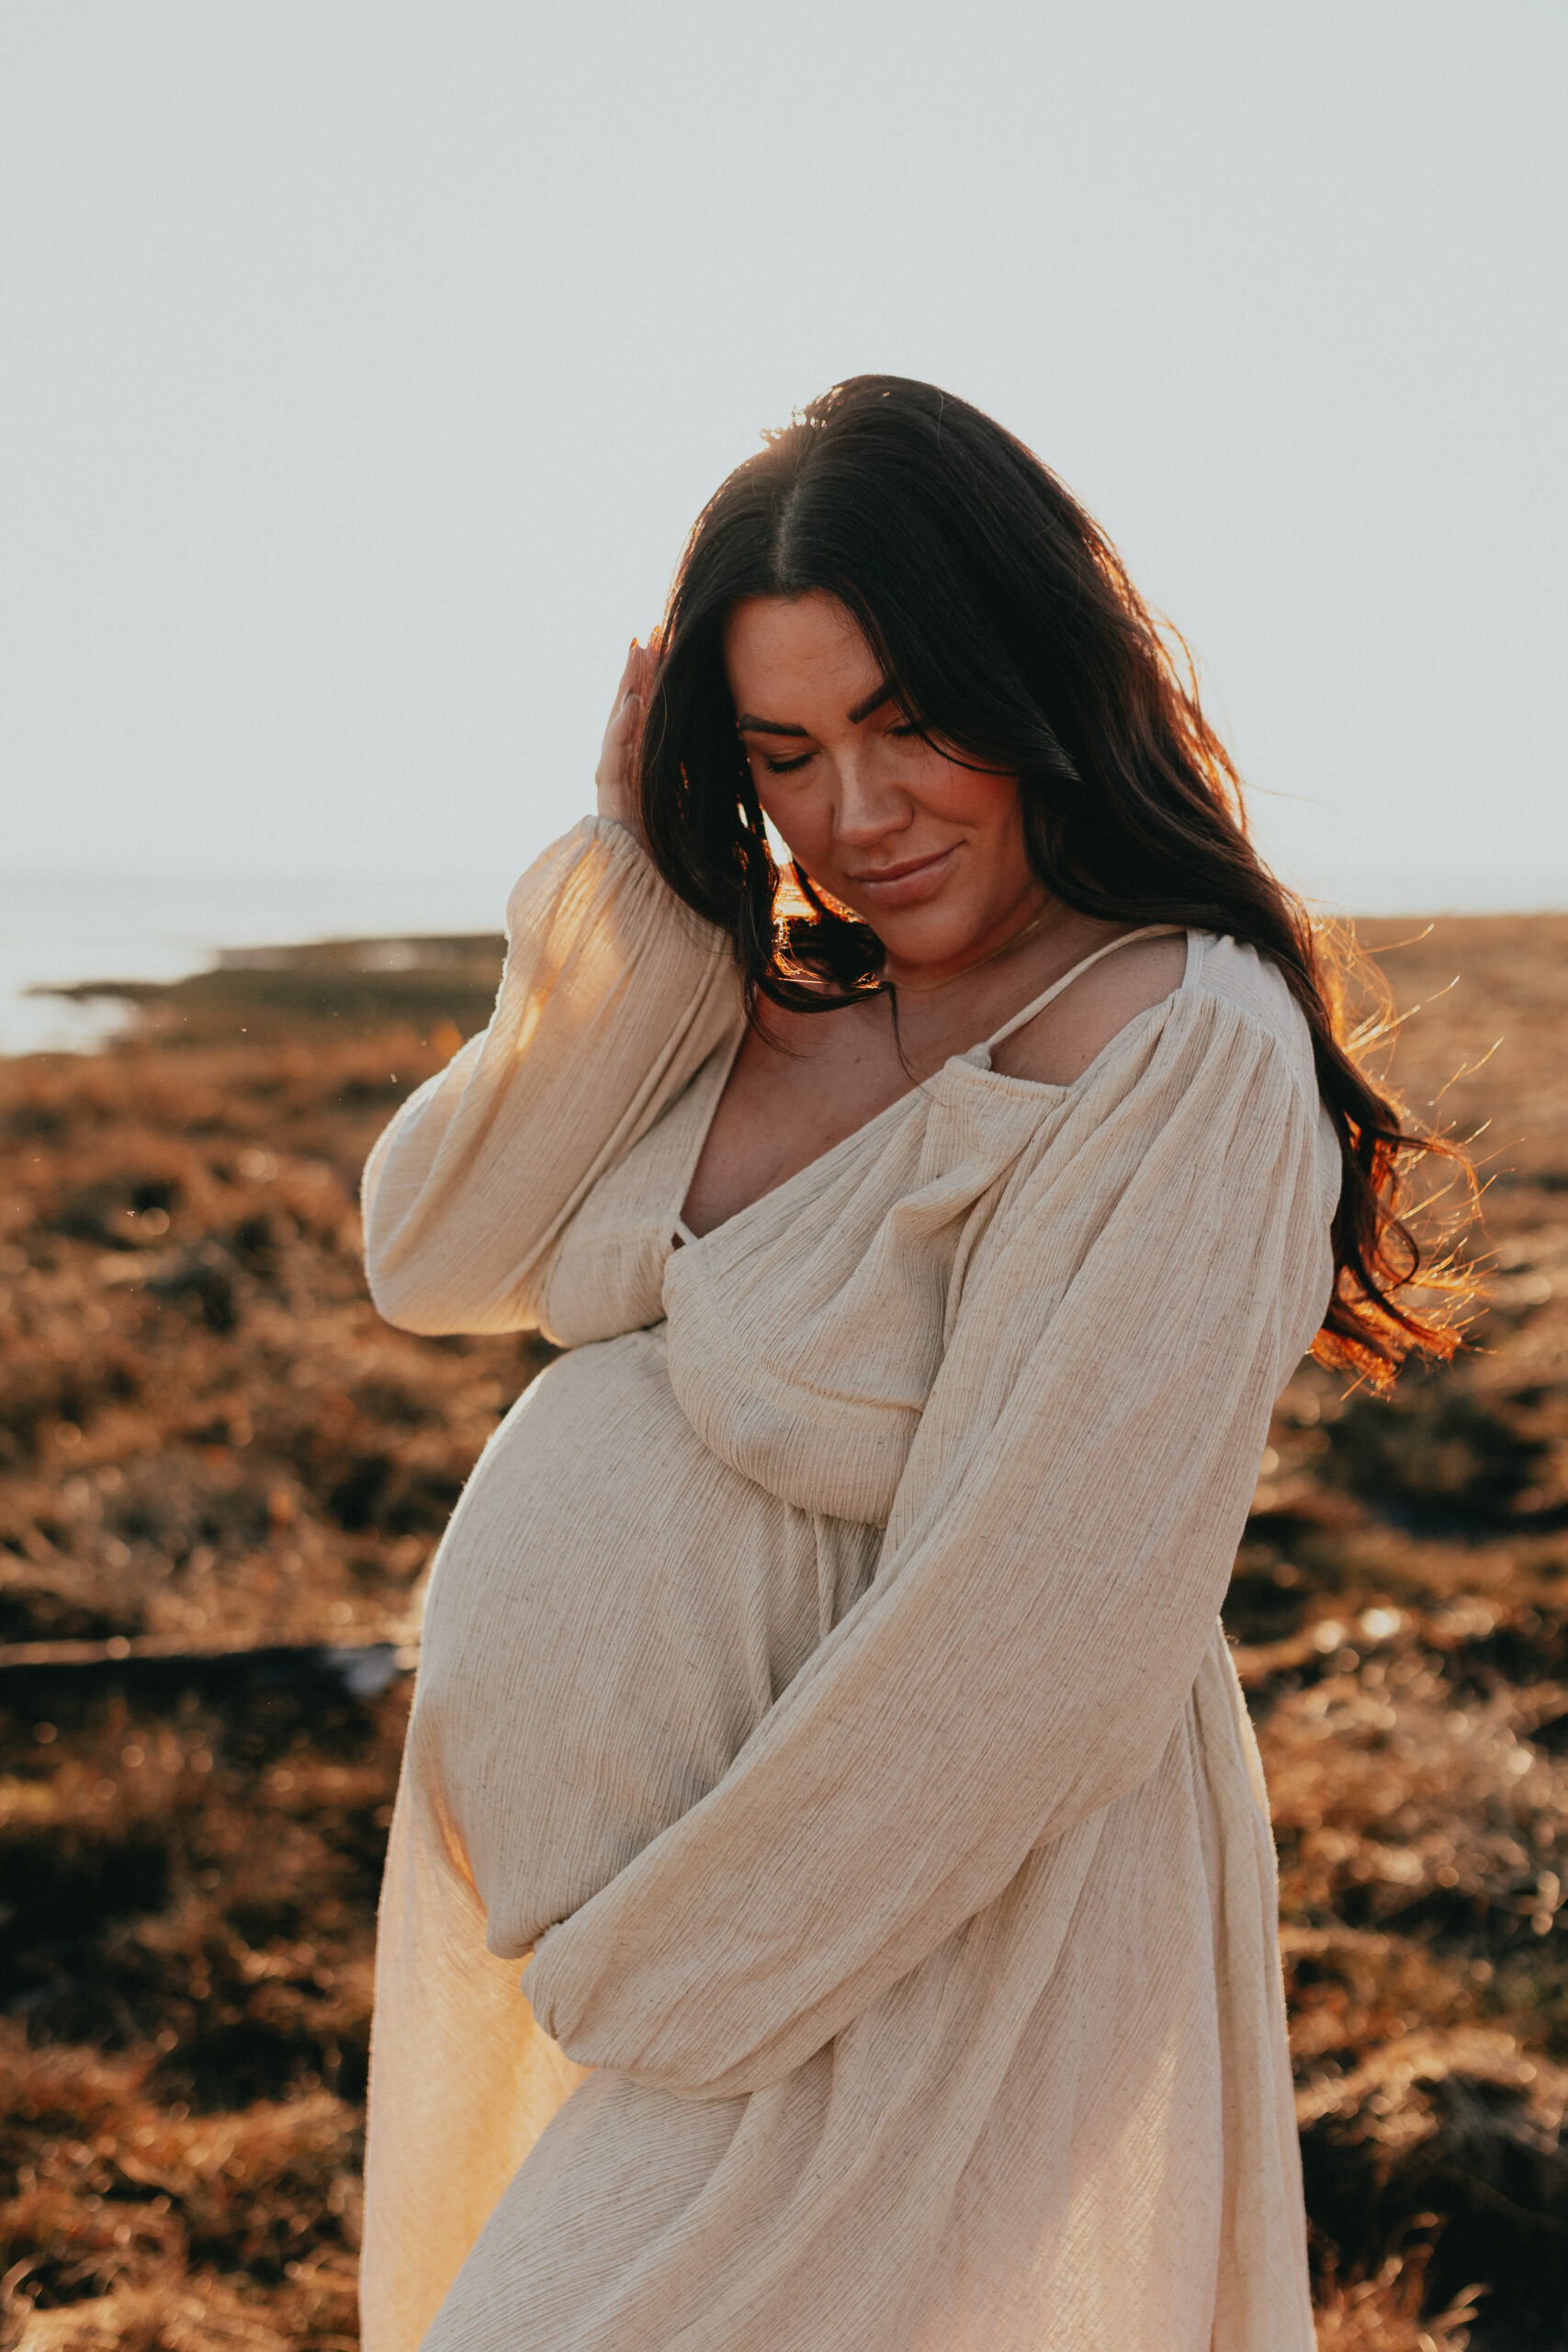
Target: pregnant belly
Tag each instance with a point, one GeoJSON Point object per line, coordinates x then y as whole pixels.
{"type": "Point", "coordinates": [613, 1610]}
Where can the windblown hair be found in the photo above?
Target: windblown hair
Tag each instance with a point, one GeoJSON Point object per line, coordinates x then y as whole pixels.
{"type": "Point", "coordinates": [1011, 635]}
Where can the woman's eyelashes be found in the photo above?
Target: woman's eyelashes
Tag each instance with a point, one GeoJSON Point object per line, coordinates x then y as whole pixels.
{"type": "Point", "coordinates": [903, 730]}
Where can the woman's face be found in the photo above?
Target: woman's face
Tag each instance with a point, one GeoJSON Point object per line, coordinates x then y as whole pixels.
{"type": "Point", "coordinates": [929, 853]}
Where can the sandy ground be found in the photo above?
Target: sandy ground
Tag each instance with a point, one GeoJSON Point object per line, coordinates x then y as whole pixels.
{"type": "Point", "coordinates": [209, 1443]}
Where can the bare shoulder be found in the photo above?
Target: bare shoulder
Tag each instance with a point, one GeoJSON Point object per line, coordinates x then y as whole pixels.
{"type": "Point", "coordinates": [1059, 1044]}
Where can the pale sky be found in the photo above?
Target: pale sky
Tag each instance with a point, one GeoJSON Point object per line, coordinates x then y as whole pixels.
{"type": "Point", "coordinates": [367, 361]}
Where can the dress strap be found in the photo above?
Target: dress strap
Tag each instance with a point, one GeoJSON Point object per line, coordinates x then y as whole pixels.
{"type": "Point", "coordinates": [1038, 1004]}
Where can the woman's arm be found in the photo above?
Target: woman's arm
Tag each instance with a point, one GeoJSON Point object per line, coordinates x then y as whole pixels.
{"type": "Point", "coordinates": [613, 996]}
{"type": "Point", "coordinates": [1050, 1576]}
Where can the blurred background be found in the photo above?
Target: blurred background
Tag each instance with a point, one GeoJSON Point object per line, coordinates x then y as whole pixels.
{"type": "Point", "coordinates": [365, 370]}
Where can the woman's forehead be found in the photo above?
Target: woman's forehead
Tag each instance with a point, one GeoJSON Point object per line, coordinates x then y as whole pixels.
{"type": "Point", "coordinates": [807, 646]}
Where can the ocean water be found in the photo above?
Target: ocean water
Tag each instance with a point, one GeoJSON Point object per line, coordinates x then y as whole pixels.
{"type": "Point", "coordinates": [62, 929]}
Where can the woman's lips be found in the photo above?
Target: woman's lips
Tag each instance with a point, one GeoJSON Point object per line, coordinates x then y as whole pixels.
{"type": "Point", "coordinates": [905, 884]}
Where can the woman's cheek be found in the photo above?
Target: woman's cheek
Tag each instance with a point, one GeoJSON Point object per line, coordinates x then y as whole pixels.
{"type": "Point", "coordinates": [973, 796]}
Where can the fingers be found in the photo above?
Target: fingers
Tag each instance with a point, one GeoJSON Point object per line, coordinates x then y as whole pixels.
{"type": "Point", "coordinates": [629, 671]}
{"type": "Point", "coordinates": [623, 725]}
{"type": "Point", "coordinates": [612, 761]}
{"type": "Point", "coordinates": [636, 673]}
{"type": "Point", "coordinates": [618, 759]}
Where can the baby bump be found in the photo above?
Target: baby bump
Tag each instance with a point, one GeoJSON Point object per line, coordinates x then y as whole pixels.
{"type": "Point", "coordinates": [613, 1610]}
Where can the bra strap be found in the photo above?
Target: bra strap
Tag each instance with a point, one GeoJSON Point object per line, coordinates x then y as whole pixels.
{"type": "Point", "coordinates": [1149, 931]}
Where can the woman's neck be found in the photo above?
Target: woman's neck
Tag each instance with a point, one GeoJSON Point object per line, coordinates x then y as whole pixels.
{"type": "Point", "coordinates": [924, 980]}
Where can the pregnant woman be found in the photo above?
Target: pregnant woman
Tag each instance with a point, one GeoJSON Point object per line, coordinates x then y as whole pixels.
{"type": "Point", "coordinates": [830, 1904]}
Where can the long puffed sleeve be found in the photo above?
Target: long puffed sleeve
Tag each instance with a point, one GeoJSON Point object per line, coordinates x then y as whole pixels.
{"type": "Point", "coordinates": [1047, 1587]}
{"type": "Point", "coordinates": [613, 996]}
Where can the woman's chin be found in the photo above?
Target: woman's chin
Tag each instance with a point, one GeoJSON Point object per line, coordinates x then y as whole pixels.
{"type": "Point", "coordinates": [916, 949]}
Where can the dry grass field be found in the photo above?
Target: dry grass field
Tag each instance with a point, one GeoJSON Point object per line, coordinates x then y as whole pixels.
{"type": "Point", "coordinates": [210, 1445]}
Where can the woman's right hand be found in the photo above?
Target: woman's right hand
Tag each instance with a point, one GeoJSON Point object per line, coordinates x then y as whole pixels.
{"type": "Point", "coordinates": [617, 760]}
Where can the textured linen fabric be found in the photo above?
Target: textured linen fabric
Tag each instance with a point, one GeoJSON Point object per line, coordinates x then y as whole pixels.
{"type": "Point", "coordinates": [822, 1681]}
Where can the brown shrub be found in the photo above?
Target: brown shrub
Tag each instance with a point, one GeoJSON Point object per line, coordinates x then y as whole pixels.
{"type": "Point", "coordinates": [210, 1436]}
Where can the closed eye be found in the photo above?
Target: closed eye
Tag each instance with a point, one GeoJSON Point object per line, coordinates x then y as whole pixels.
{"type": "Point", "coordinates": [905, 728]}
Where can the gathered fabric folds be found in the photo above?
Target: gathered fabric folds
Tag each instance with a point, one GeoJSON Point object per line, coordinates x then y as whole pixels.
{"type": "Point", "coordinates": [830, 1904]}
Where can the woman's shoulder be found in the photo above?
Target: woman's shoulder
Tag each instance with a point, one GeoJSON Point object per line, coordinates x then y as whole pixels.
{"type": "Point", "coordinates": [1059, 1044]}
{"type": "Point", "coordinates": [1254, 985]}
{"type": "Point", "coordinates": [1202, 977]}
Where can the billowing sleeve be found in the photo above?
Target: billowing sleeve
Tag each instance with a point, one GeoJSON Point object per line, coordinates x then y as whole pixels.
{"type": "Point", "coordinates": [613, 996]}
{"type": "Point", "coordinates": [1048, 1582]}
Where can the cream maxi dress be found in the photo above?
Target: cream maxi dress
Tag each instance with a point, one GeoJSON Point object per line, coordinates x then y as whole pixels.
{"type": "Point", "coordinates": [822, 1681]}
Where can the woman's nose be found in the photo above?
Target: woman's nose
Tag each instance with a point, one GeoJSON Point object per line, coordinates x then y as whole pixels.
{"type": "Point", "coordinates": [869, 804]}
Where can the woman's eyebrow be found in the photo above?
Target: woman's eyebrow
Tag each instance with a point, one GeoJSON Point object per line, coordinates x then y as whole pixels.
{"type": "Point", "coordinates": [748, 725]}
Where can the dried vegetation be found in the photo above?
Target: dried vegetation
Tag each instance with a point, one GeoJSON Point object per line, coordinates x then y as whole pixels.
{"type": "Point", "coordinates": [207, 1435]}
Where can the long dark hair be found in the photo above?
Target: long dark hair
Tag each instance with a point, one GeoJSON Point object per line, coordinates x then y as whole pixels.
{"type": "Point", "coordinates": [1011, 632]}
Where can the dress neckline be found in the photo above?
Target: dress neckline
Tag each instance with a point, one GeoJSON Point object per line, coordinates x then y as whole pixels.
{"type": "Point", "coordinates": [681, 1232]}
